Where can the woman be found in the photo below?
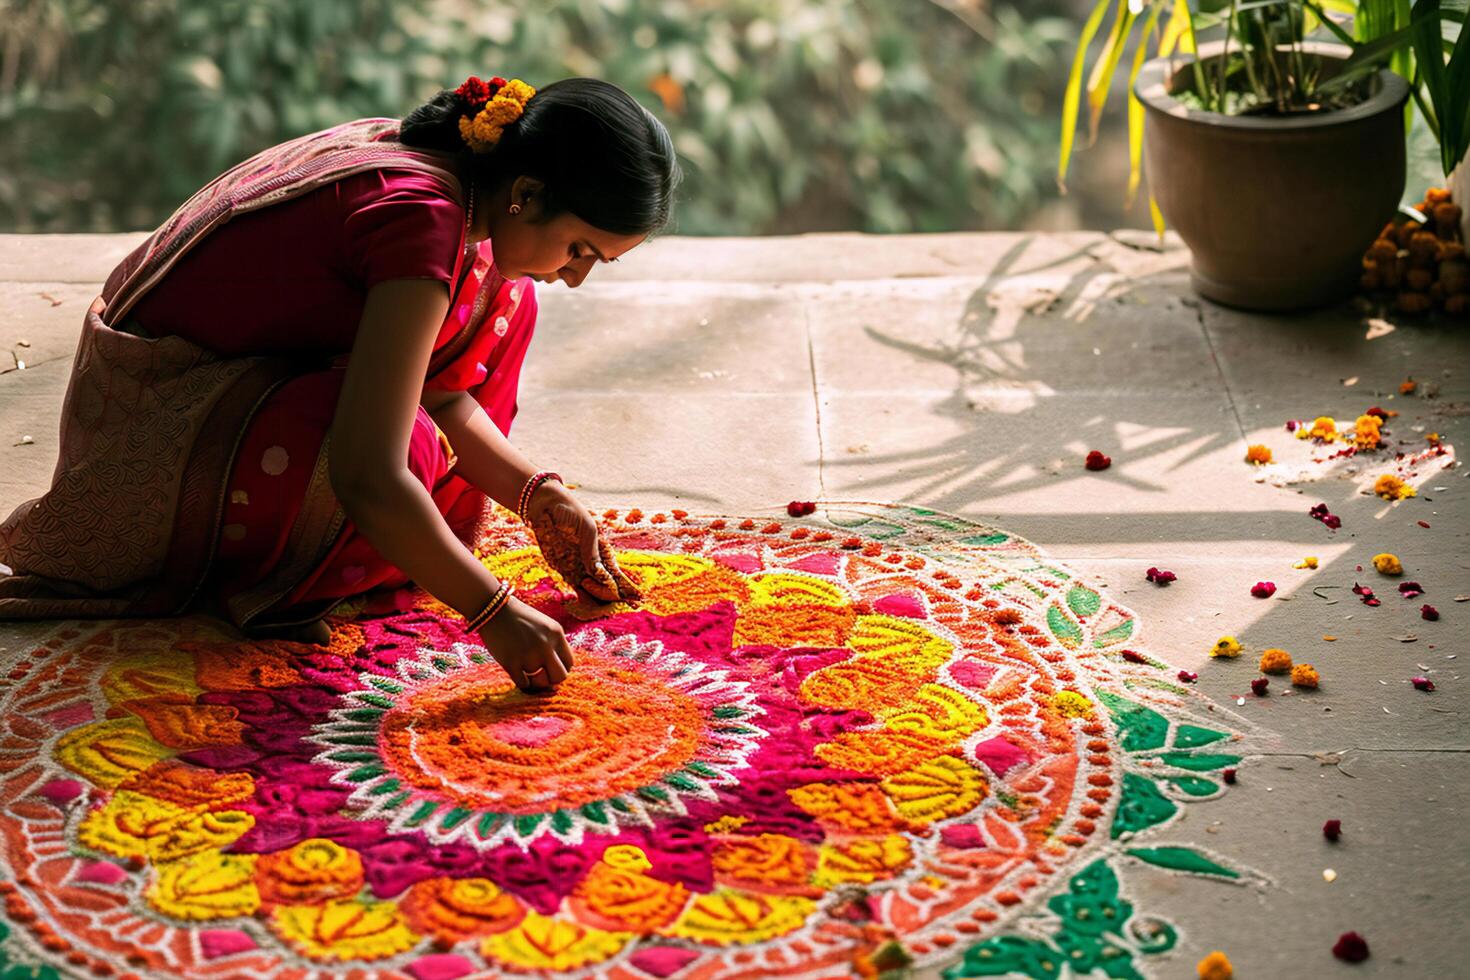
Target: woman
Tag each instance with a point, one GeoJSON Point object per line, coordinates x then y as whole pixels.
{"type": "Point", "coordinates": [298, 388]}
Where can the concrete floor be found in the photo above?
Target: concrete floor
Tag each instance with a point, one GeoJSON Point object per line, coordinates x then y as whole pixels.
{"type": "Point", "coordinates": [972, 373]}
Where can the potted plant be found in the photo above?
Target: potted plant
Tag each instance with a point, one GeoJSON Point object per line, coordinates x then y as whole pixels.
{"type": "Point", "coordinates": [1278, 158]}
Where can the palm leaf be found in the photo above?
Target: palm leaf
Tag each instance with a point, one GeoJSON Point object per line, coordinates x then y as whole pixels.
{"type": "Point", "coordinates": [1072, 96]}
{"type": "Point", "coordinates": [1101, 80]}
{"type": "Point", "coordinates": [1135, 108]}
{"type": "Point", "coordinates": [1179, 31]}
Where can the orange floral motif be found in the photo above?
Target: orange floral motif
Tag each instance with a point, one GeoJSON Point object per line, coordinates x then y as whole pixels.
{"type": "Point", "coordinates": [859, 807]}
{"type": "Point", "coordinates": [764, 861]}
{"type": "Point", "coordinates": [617, 896]}
{"type": "Point", "coordinates": [222, 667]}
{"type": "Point", "coordinates": [866, 684]}
{"type": "Point", "coordinates": [795, 626]}
{"type": "Point", "coordinates": [455, 909]}
{"type": "Point", "coordinates": [176, 721]}
{"type": "Point", "coordinates": [314, 870]}
{"type": "Point", "coordinates": [486, 744]}
{"type": "Point", "coordinates": [879, 753]}
{"type": "Point", "coordinates": [191, 786]}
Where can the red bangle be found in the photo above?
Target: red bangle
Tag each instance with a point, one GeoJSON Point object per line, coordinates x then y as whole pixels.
{"type": "Point", "coordinates": [530, 488]}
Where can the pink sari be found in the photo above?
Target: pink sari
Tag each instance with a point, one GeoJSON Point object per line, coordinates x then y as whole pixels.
{"type": "Point", "coordinates": [172, 489]}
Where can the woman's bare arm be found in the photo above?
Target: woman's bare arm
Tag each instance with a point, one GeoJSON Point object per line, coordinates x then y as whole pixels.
{"type": "Point", "coordinates": [368, 455]}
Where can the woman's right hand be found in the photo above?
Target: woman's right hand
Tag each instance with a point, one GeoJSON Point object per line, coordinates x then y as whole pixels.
{"type": "Point", "coordinates": [529, 645]}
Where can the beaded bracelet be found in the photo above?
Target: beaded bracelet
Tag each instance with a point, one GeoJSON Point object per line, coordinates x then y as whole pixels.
{"type": "Point", "coordinates": [530, 488]}
{"type": "Point", "coordinates": [496, 603]}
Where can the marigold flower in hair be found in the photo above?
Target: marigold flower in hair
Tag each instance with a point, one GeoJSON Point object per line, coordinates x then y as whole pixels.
{"type": "Point", "coordinates": [504, 103]}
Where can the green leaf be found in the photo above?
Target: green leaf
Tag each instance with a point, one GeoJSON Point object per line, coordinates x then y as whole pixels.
{"type": "Point", "coordinates": [1117, 634]}
{"type": "Point", "coordinates": [1142, 805]}
{"type": "Point", "coordinates": [1008, 956]}
{"type": "Point", "coordinates": [1063, 627]}
{"type": "Point", "coordinates": [1192, 736]}
{"type": "Point", "coordinates": [1194, 785]}
{"type": "Point", "coordinates": [1201, 762]}
{"type": "Point", "coordinates": [1143, 728]}
{"type": "Point", "coordinates": [1183, 859]}
{"type": "Point", "coordinates": [1083, 601]}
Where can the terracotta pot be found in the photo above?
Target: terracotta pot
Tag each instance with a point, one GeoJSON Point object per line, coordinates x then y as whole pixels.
{"type": "Point", "coordinates": [1277, 211]}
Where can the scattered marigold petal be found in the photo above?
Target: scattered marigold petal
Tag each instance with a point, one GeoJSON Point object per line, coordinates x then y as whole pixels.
{"type": "Point", "coordinates": [1429, 612]}
{"type": "Point", "coordinates": [1390, 487]}
{"type": "Point", "coordinates": [1422, 684]}
{"type": "Point", "coordinates": [1097, 461]}
{"type": "Point", "coordinates": [1226, 646]}
{"type": "Point", "coordinates": [1263, 590]}
{"type": "Point", "coordinates": [1332, 829]}
{"type": "Point", "coordinates": [1259, 685]}
{"type": "Point", "coordinates": [1305, 675]}
{"type": "Point", "coordinates": [1275, 661]}
{"type": "Point", "coordinates": [1216, 966]}
{"type": "Point", "coordinates": [1351, 947]}
{"type": "Point", "coordinates": [1379, 413]}
{"type": "Point", "coordinates": [1408, 386]}
{"type": "Point", "coordinates": [1308, 562]}
{"type": "Point", "coordinates": [1258, 454]}
{"type": "Point", "coordinates": [1388, 564]}
{"type": "Point", "coordinates": [1324, 427]}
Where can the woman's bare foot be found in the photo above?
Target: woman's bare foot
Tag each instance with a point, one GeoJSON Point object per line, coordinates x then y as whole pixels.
{"type": "Point", "coordinates": [317, 631]}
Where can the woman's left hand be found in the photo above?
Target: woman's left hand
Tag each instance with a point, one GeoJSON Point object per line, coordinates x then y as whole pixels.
{"type": "Point", "coordinates": [568, 537]}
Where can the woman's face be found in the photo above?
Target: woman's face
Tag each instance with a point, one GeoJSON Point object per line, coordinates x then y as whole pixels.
{"type": "Point", "coordinates": [563, 249]}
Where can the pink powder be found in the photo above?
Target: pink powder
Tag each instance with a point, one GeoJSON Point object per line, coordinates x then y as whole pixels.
{"type": "Point", "coordinates": [741, 561]}
{"type": "Point", "coordinates": [820, 563]}
{"type": "Point", "coordinates": [62, 791]}
{"type": "Point", "coordinates": [439, 966]}
{"type": "Point", "coordinates": [962, 835]}
{"type": "Point", "coordinates": [902, 604]}
{"type": "Point", "coordinates": [1000, 755]}
{"type": "Point", "coordinates": [663, 961]}
{"type": "Point", "coordinates": [214, 943]}
{"type": "Point", "coordinates": [972, 674]}
{"type": "Point", "coordinates": [101, 873]}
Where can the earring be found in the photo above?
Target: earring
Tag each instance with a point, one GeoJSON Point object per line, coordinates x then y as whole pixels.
{"type": "Point", "coordinates": [515, 209]}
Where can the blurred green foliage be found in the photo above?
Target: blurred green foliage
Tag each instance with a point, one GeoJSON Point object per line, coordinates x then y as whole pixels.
{"type": "Point", "coordinates": [788, 115]}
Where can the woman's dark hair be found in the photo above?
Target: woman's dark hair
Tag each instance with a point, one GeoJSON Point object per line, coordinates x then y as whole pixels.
{"type": "Point", "coordinates": [601, 155]}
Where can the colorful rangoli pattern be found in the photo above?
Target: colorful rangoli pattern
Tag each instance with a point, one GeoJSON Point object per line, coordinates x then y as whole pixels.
{"type": "Point", "coordinates": [842, 743]}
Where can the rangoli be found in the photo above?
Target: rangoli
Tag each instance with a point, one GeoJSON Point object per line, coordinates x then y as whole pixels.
{"type": "Point", "coordinates": [866, 739]}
